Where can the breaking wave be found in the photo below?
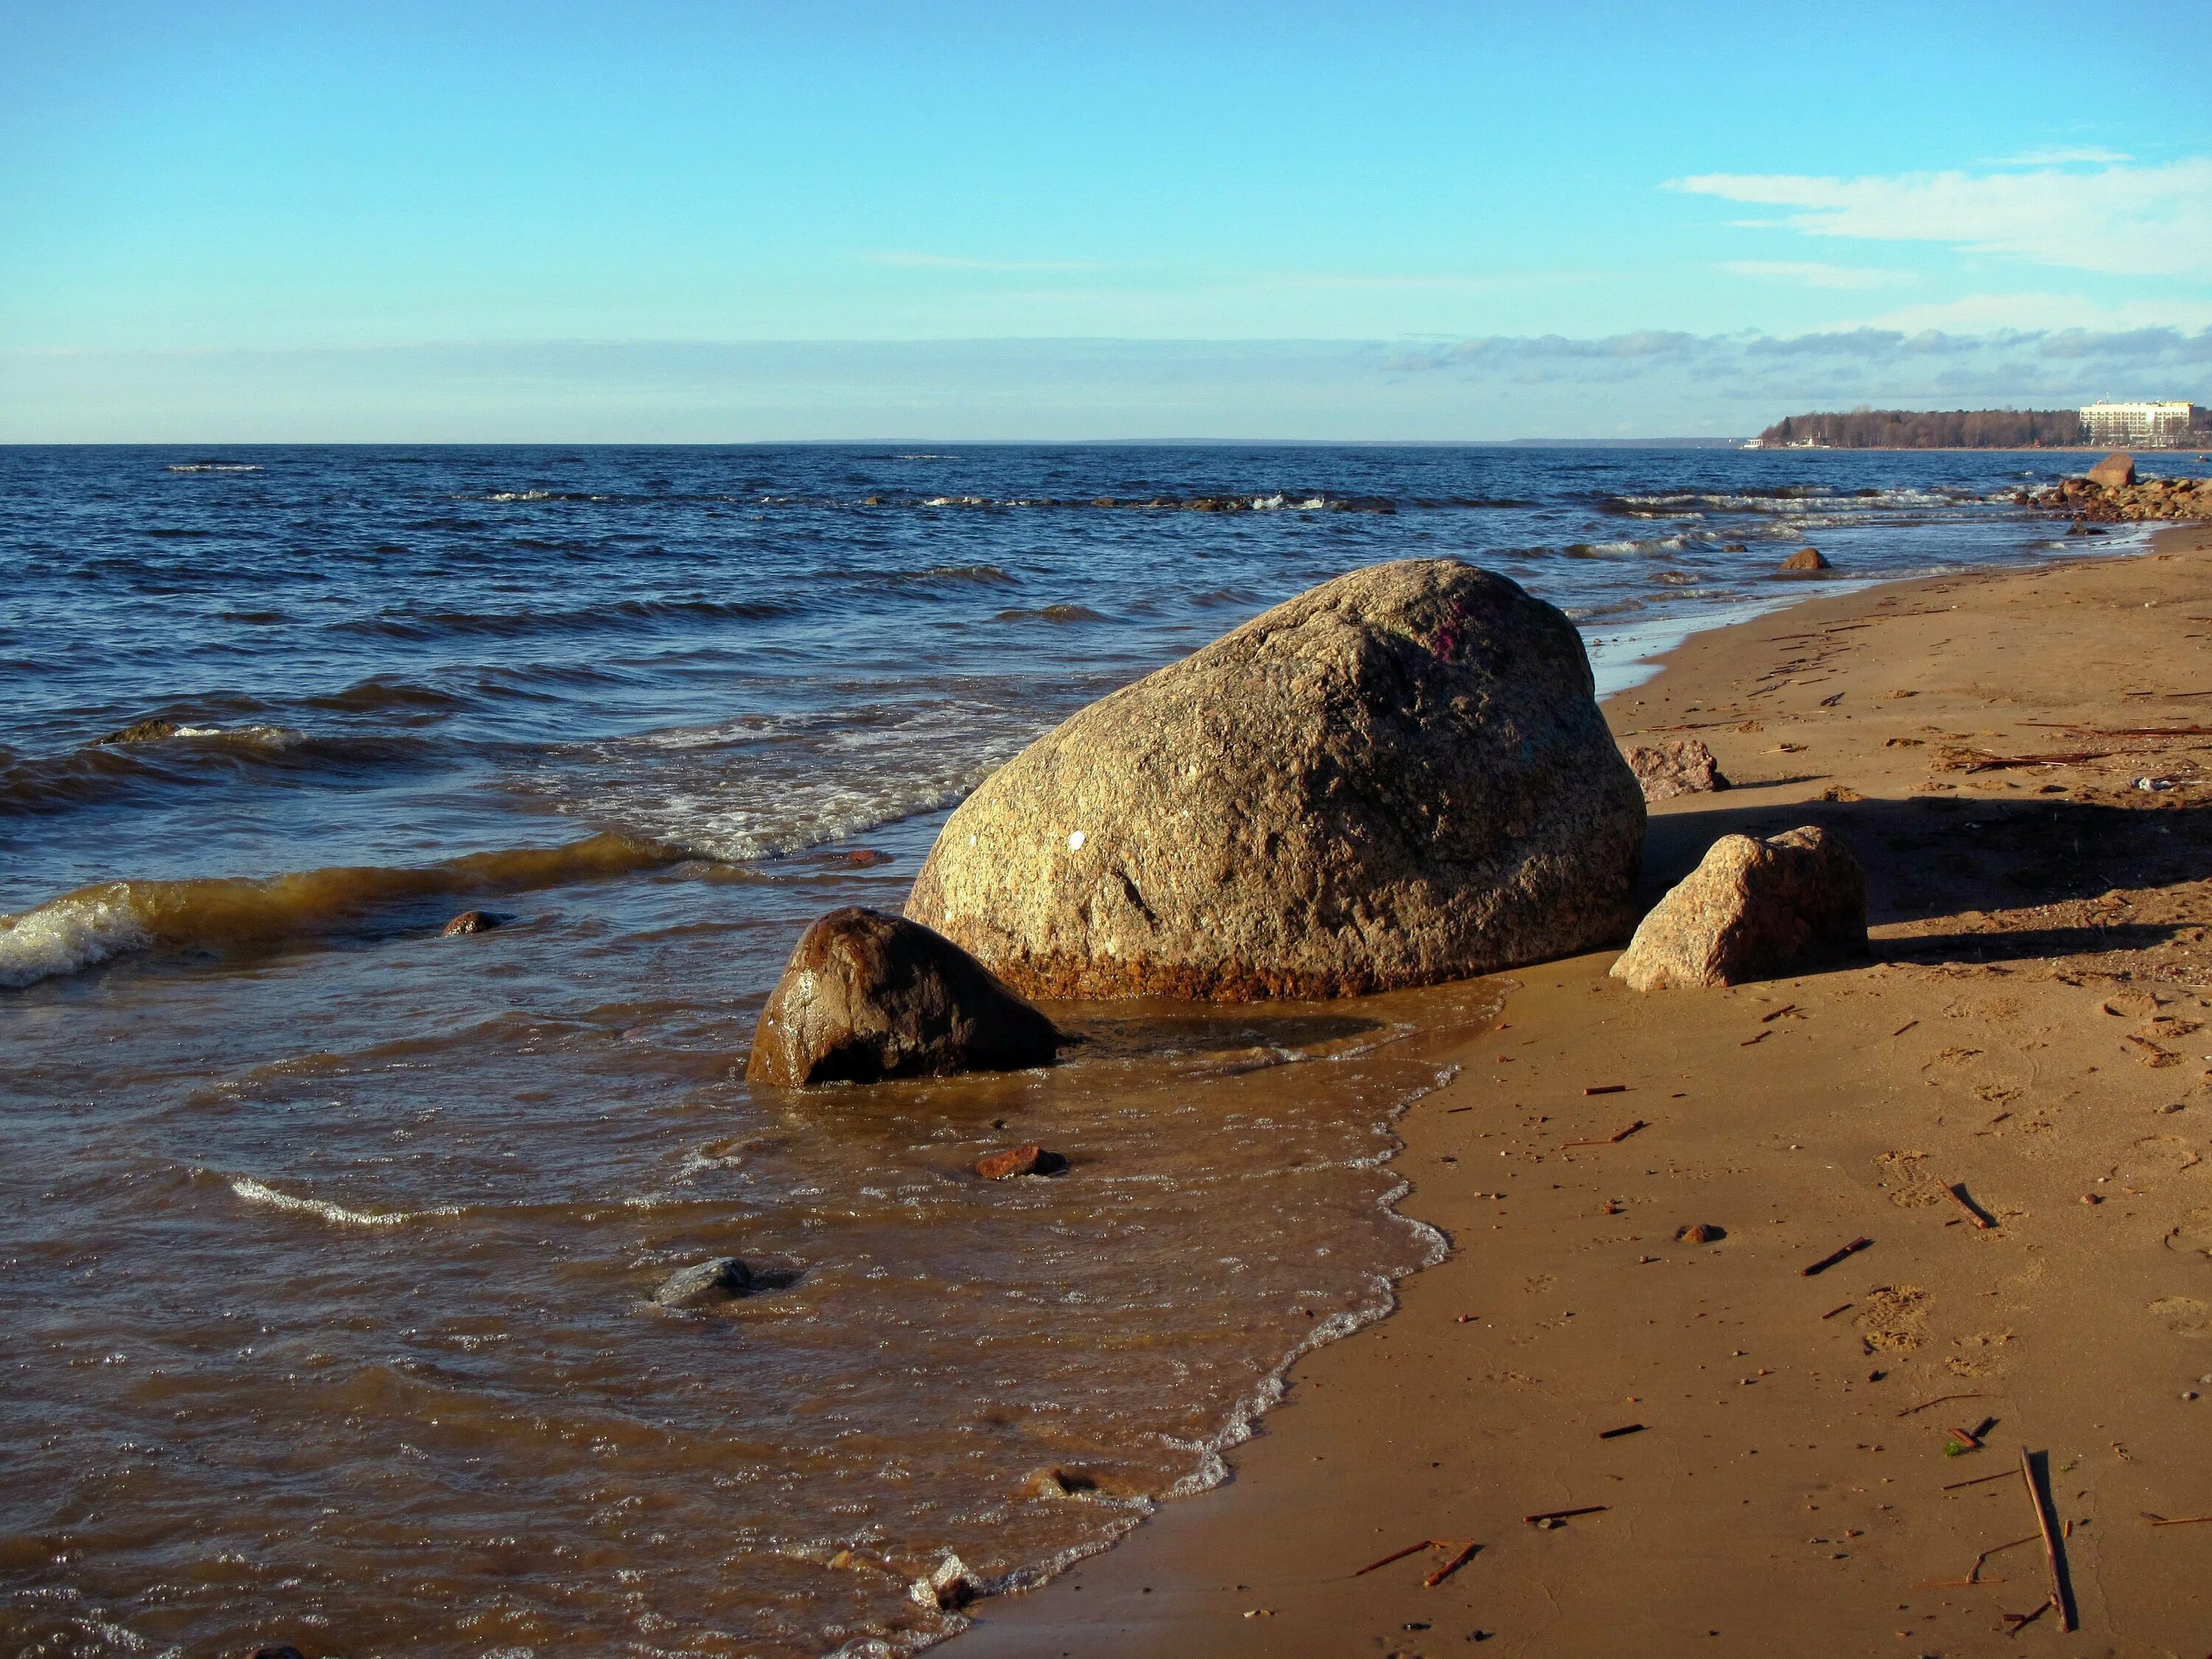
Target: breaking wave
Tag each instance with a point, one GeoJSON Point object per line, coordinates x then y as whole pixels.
{"type": "Point", "coordinates": [109, 919]}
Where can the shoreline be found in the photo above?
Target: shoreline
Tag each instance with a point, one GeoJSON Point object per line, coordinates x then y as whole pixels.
{"type": "Point", "coordinates": [1554, 1312]}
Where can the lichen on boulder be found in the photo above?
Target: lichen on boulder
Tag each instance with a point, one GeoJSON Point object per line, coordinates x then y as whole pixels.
{"type": "Point", "coordinates": [1397, 778]}
{"type": "Point", "coordinates": [1753, 909]}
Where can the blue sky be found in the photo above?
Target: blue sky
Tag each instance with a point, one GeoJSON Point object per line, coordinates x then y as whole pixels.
{"type": "Point", "coordinates": [662, 221]}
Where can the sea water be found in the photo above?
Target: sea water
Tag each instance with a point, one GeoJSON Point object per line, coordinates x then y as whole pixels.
{"type": "Point", "coordinates": [327, 1245]}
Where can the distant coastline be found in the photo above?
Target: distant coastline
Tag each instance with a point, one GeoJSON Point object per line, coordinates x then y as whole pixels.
{"type": "Point", "coordinates": [2161, 426]}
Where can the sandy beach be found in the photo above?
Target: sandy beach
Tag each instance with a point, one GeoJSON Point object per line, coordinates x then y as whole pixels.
{"type": "Point", "coordinates": [2010, 1099]}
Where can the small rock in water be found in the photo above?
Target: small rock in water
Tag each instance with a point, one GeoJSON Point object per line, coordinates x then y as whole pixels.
{"type": "Point", "coordinates": [1805, 558]}
{"type": "Point", "coordinates": [143, 732]}
{"type": "Point", "coordinates": [949, 1589]}
{"type": "Point", "coordinates": [1751, 910]}
{"type": "Point", "coordinates": [470, 921]}
{"type": "Point", "coordinates": [1057, 1483]}
{"type": "Point", "coordinates": [1020, 1161]}
{"type": "Point", "coordinates": [1680, 765]}
{"type": "Point", "coordinates": [1701, 1232]}
{"type": "Point", "coordinates": [705, 1283]}
{"type": "Point", "coordinates": [868, 996]}
{"type": "Point", "coordinates": [2116, 472]}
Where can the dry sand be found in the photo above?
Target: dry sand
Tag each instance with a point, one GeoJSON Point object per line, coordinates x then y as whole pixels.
{"type": "Point", "coordinates": [2035, 1025]}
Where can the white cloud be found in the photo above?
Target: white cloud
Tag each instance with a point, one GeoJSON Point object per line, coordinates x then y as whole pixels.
{"type": "Point", "coordinates": [2059, 157]}
{"type": "Point", "coordinates": [1979, 312]}
{"type": "Point", "coordinates": [1813, 274]}
{"type": "Point", "coordinates": [955, 261]}
{"type": "Point", "coordinates": [2135, 221]}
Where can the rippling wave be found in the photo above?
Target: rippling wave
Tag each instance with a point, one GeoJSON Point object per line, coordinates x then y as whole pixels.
{"type": "Point", "coordinates": [109, 919]}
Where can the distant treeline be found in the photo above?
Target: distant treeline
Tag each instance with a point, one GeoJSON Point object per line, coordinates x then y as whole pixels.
{"type": "Point", "coordinates": [1906, 428]}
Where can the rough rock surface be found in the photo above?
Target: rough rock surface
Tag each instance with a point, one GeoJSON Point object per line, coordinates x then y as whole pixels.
{"type": "Point", "coordinates": [2116, 472]}
{"type": "Point", "coordinates": [1680, 766]}
{"type": "Point", "coordinates": [470, 921]}
{"type": "Point", "coordinates": [1019, 1161]}
{"type": "Point", "coordinates": [1396, 778]}
{"type": "Point", "coordinates": [867, 995]}
{"type": "Point", "coordinates": [705, 1283]}
{"type": "Point", "coordinates": [2091, 502]}
{"type": "Point", "coordinates": [1805, 558]}
{"type": "Point", "coordinates": [1751, 910]}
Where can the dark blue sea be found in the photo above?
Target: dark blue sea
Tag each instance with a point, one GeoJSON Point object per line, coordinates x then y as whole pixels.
{"type": "Point", "coordinates": [326, 1244]}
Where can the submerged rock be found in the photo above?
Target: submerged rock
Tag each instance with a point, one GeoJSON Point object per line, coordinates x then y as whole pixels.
{"type": "Point", "coordinates": [1680, 766]}
{"type": "Point", "coordinates": [470, 921]}
{"type": "Point", "coordinates": [867, 995]}
{"type": "Point", "coordinates": [1020, 1161]}
{"type": "Point", "coordinates": [1058, 1483]}
{"type": "Point", "coordinates": [1804, 559]}
{"type": "Point", "coordinates": [949, 1589]}
{"type": "Point", "coordinates": [705, 1283]}
{"type": "Point", "coordinates": [142, 731]}
{"type": "Point", "coordinates": [1751, 910]}
{"type": "Point", "coordinates": [2116, 472]}
{"type": "Point", "coordinates": [1397, 778]}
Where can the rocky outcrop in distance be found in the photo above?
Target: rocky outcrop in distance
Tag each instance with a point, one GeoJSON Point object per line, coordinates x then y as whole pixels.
{"type": "Point", "coordinates": [1753, 909]}
{"type": "Point", "coordinates": [2113, 493]}
{"type": "Point", "coordinates": [868, 996]}
{"type": "Point", "coordinates": [1397, 778]}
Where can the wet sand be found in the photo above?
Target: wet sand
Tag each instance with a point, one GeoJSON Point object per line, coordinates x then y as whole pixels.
{"type": "Point", "coordinates": [2034, 1025]}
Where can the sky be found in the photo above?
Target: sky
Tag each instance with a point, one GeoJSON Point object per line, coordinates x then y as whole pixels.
{"type": "Point", "coordinates": [665, 222]}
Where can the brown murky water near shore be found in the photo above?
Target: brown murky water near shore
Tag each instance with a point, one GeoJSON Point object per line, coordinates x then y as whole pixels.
{"type": "Point", "coordinates": [328, 1277]}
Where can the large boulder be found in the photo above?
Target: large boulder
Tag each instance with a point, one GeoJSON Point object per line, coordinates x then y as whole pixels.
{"type": "Point", "coordinates": [868, 996]}
{"type": "Point", "coordinates": [2116, 472]}
{"type": "Point", "coordinates": [1805, 561]}
{"type": "Point", "coordinates": [1398, 777]}
{"type": "Point", "coordinates": [1680, 766]}
{"type": "Point", "coordinates": [1753, 909]}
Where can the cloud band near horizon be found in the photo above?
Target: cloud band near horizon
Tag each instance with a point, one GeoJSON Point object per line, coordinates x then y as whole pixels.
{"type": "Point", "coordinates": [1642, 384]}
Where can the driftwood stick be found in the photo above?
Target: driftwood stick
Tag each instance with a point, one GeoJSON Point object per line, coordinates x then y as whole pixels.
{"type": "Point", "coordinates": [1787, 1008]}
{"type": "Point", "coordinates": [1834, 1256]}
{"type": "Point", "coordinates": [1607, 1089]}
{"type": "Point", "coordinates": [1467, 1552]}
{"type": "Point", "coordinates": [2176, 1520]}
{"type": "Point", "coordinates": [1956, 1192]}
{"type": "Point", "coordinates": [1981, 1480]}
{"type": "Point", "coordinates": [1607, 1141]}
{"type": "Point", "coordinates": [1565, 1514]}
{"type": "Point", "coordinates": [1396, 1555]}
{"type": "Point", "coordinates": [2044, 1521]}
{"type": "Point", "coordinates": [1940, 1400]}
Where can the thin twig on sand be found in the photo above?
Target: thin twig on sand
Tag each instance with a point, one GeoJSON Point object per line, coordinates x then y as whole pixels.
{"type": "Point", "coordinates": [2043, 1520]}
{"type": "Point", "coordinates": [1956, 1192]}
{"type": "Point", "coordinates": [1834, 1256]}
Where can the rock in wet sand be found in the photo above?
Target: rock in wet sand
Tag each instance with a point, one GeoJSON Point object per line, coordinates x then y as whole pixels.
{"type": "Point", "coordinates": [1680, 766]}
{"type": "Point", "coordinates": [1397, 778]}
{"type": "Point", "coordinates": [1753, 909]}
{"type": "Point", "coordinates": [868, 996]}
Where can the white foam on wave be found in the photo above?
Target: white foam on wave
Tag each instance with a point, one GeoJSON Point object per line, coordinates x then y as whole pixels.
{"type": "Point", "coordinates": [255, 1192]}
{"type": "Point", "coordinates": [69, 935]}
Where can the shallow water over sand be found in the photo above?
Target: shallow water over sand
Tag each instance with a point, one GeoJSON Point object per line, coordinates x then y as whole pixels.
{"type": "Point", "coordinates": [325, 1244]}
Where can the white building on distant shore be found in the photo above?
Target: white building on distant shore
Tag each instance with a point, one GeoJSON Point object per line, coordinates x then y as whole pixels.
{"type": "Point", "coordinates": [2145, 426]}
